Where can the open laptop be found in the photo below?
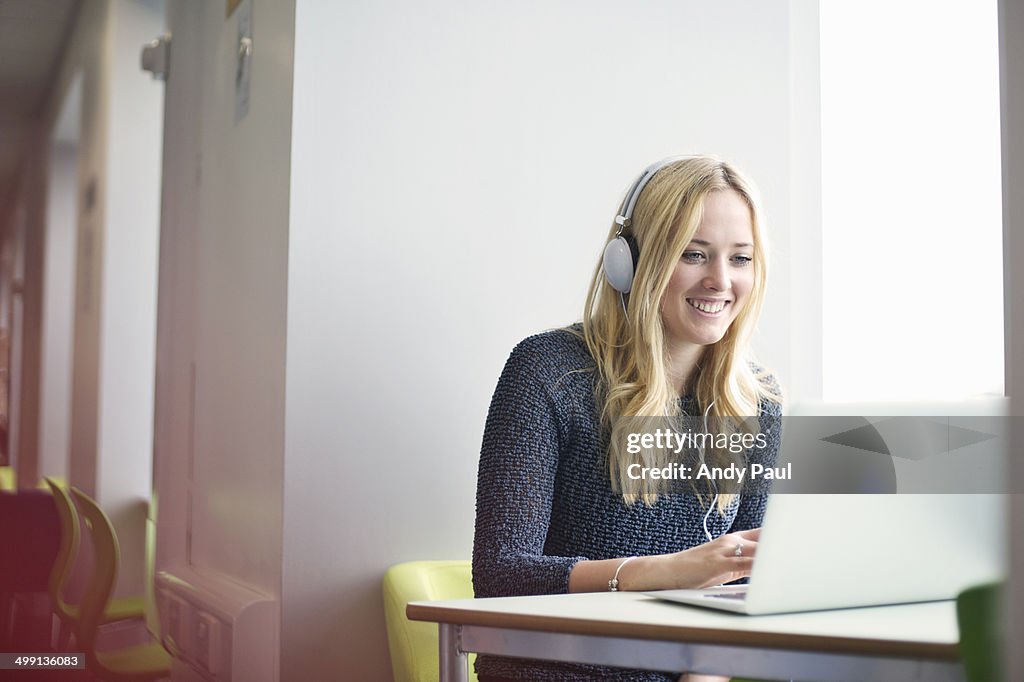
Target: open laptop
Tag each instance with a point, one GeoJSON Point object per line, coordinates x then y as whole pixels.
{"type": "Point", "coordinates": [821, 552]}
{"type": "Point", "coordinates": [827, 551]}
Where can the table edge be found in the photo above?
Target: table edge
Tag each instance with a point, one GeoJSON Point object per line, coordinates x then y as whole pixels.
{"type": "Point", "coordinates": [425, 612]}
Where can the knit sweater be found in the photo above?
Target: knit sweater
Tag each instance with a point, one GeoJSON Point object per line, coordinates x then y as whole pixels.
{"type": "Point", "coordinates": [544, 499]}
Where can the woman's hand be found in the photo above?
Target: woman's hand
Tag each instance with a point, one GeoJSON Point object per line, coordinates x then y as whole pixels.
{"type": "Point", "coordinates": [712, 563]}
{"type": "Point", "coordinates": [723, 560]}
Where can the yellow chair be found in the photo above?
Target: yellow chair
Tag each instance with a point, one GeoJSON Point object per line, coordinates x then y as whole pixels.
{"type": "Point", "coordinates": [130, 664]}
{"type": "Point", "coordinates": [414, 645]}
{"type": "Point", "coordinates": [8, 481]}
{"type": "Point", "coordinates": [122, 608]}
{"type": "Point", "coordinates": [49, 481]}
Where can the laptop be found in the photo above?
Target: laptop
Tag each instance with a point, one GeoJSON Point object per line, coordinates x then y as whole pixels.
{"type": "Point", "coordinates": [820, 552]}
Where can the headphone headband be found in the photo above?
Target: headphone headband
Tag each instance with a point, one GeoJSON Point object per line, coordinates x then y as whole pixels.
{"type": "Point", "coordinates": [625, 217]}
{"type": "Point", "coordinates": [621, 253]}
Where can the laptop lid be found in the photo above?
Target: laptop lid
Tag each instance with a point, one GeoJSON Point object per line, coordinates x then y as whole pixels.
{"type": "Point", "coordinates": [834, 551]}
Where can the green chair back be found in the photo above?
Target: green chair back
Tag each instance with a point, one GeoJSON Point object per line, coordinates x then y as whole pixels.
{"type": "Point", "coordinates": [413, 645]}
{"type": "Point", "coordinates": [978, 613]}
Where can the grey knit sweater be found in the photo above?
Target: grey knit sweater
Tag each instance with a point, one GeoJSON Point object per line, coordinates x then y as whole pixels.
{"type": "Point", "coordinates": [544, 500]}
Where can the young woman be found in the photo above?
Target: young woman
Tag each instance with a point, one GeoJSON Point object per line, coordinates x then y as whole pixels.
{"type": "Point", "coordinates": [665, 335]}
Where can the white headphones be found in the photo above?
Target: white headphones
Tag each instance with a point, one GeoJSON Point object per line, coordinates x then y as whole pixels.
{"type": "Point", "coordinates": [622, 252]}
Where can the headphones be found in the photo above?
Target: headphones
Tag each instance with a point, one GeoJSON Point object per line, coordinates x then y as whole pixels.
{"type": "Point", "coordinates": [622, 252]}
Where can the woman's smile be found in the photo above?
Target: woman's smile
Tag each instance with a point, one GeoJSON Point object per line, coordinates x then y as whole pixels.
{"type": "Point", "coordinates": [708, 307]}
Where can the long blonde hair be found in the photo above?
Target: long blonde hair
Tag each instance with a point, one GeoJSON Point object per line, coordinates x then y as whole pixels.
{"type": "Point", "coordinates": [627, 339]}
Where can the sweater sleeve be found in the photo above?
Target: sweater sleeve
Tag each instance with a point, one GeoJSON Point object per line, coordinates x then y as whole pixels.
{"type": "Point", "coordinates": [515, 486]}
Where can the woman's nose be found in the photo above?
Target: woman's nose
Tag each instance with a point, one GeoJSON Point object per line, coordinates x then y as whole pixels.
{"type": "Point", "coordinates": [717, 276]}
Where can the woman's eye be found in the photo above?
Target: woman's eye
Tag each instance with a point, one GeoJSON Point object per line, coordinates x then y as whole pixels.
{"type": "Point", "coordinates": [693, 256]}
{"type": "Point", "coordinates": [742, 260]}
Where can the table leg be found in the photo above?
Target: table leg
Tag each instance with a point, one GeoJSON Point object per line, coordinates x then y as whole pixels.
{"type": "Point", "coordinates": [453, 663]}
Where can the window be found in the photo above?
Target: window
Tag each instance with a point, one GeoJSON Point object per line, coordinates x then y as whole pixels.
{"type": "Point", "coordinates": [911, 200]}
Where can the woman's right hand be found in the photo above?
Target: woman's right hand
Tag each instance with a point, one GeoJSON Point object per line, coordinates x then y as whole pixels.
{"type": "Point", "coordinates": [713, 563]}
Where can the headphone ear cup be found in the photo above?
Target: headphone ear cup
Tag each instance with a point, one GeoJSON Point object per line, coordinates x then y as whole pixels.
{"type": "Point", "coordinates": [620, 258]}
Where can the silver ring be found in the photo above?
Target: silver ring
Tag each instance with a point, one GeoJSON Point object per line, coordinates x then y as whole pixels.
{"type": "Point", "coordinates": [738, 551]}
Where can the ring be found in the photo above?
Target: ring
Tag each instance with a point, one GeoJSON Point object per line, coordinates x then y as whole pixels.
{"type": "Point", "coordinates": [738, 551]}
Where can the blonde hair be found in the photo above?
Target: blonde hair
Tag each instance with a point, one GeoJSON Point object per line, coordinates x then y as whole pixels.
{"type": "Point", "coordinates": [627, 341]}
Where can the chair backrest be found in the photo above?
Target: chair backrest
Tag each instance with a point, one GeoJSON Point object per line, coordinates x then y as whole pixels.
{"type": "Point", "coordinates": [106, 555]}
{"type": "Point", "coordinates": [414, 645]}
{"type": "Point", "coordinates": [8, 480]}
{"type": "Point", "coordinates": [978, 615]}
{"type": "Point", "coordinates": [70, 537]}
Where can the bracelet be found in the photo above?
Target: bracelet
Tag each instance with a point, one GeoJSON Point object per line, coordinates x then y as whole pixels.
{"type": "Point", "coordinates": [613, 584]}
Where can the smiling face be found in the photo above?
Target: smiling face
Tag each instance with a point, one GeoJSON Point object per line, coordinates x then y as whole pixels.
{"type": "Point", "coordinates": [714, 277]}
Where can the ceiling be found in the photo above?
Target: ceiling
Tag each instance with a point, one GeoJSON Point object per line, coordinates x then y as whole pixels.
{"type": "Point", "coordinates": [33, 34]}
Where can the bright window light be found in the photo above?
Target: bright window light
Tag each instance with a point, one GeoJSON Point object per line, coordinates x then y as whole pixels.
{"type": "Point", "coordinates": [911, 200]}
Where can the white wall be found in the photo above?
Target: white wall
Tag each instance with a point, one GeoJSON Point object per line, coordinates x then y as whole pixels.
{"type": "Point", "coordinates": [241, 253]}
{"type": "Point", "coordinates": [87, 55]}
{"type": "Point", "coordinates": [798, 350]}
{"type": "Point", "coordinates": [14, 276]}
{"type": "Point", "coordinates": [59, 284]}
{"type": "Point", "coordinates": [223, 277]}
{"type": "Point", "coordinates": [129, 276]}
{"type": "Point", "coordinates": [220, 392]}
{"type": "Point", "coordinates": [58, 310]}
{"type": "Point", "coordinates": [455, 168]}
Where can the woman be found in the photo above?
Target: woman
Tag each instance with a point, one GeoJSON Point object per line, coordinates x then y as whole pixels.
{"type": "Point", "coordinates": [665, 333]}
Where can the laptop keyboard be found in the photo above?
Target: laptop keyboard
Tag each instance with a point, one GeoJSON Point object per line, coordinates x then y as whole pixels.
{"type": "Point", "coordinates": [727, 595]}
